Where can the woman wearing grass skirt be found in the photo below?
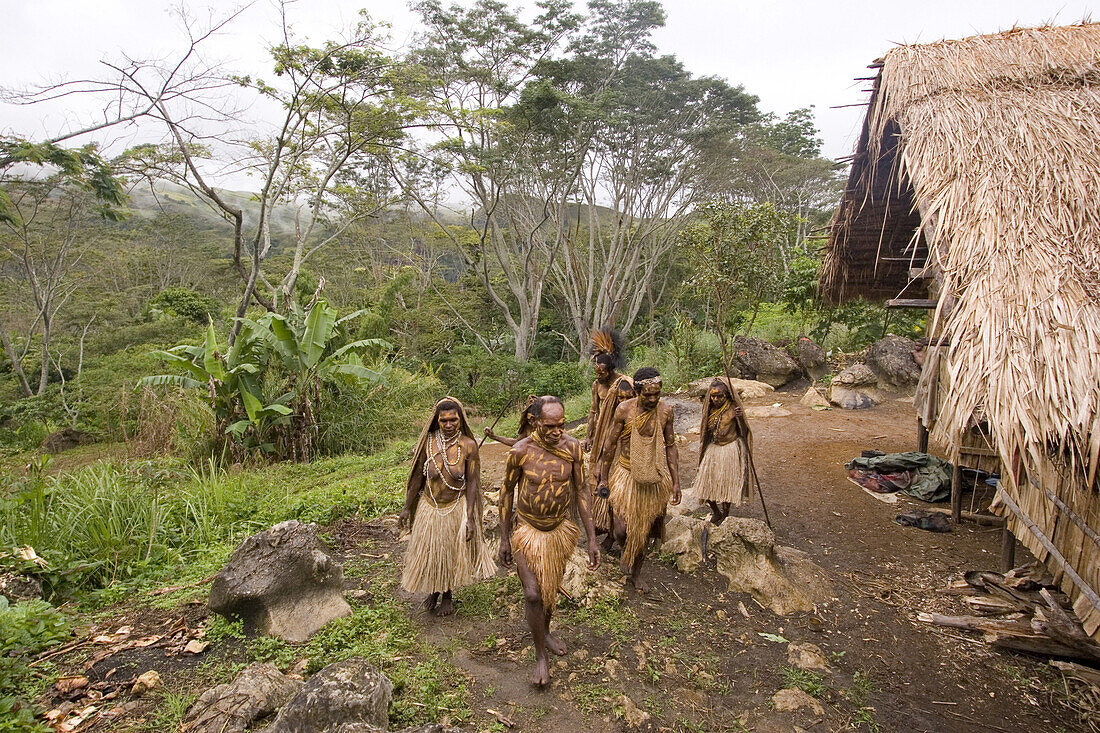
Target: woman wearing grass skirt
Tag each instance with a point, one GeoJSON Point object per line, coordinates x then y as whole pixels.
{"type": "Point", "coordinates": [723, 478]}
{"type": "Point", "coordinates": [443, 505]}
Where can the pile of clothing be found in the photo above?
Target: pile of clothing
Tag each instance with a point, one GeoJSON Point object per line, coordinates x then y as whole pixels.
{"type": "Point", "coordinates": [918, 475]}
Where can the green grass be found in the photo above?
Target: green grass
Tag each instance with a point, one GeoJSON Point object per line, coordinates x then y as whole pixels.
{"type": "Point", "coordinates": [812, 683]}
{"type": "Point", "coordinates": [489, 599]}
{"type": "Point", "coordinates": [111, 528]}
{"type": "Point", "coordinates": [593, 699]}
{"type": "Point", "coordinates": [608, 615]}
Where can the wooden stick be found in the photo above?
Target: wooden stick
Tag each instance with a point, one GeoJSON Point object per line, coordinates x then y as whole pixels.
{"type": "Point", "coordinates": [742, 421]}
{"type": "Point", "coordinates": [507, 405]}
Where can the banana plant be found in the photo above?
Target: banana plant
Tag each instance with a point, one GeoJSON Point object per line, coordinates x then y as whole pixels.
{"type": "Point", "coordinates": [231, 378]}
{"type": "Point", "coordinates": [291, 355]}
{"type": "Point", "coordinates": [304, 344]}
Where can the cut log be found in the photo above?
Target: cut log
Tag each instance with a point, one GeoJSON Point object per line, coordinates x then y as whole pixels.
{"type": "Point", "coordinates": [979, 623]}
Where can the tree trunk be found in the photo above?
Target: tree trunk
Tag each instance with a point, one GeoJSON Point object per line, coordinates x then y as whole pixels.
{"type": "Point", "coordinates": [16, 365]}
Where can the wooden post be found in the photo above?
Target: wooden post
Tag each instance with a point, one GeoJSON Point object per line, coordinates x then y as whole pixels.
{"type": "Point", "coordinates": [956, 494]}
{"type": "Point", "coordinates": [1008, 549]}
{"type": "Point", "coordinates": [922, 437]}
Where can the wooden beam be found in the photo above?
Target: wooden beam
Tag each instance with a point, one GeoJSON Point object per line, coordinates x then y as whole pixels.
{"type": "Point", "coordinates": [978, 450]}
{"type": "Point", "coordinates": [912, 303]}
{"type": "Point", "coordinates": [1008, 549]}
{"type": "Point", "coordinates": [956, 494]}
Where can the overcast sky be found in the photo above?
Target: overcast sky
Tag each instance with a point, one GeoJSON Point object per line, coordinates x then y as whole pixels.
{"type": "Point", "coordinates": [790, 54]}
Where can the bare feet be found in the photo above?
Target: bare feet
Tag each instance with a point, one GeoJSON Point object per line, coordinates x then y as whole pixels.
{"type": "Point", "coordinates": [639, 585]}
{"type": "Point", "coordinates": [541, 676]}
{"type": "Point", "coordinates": [431, 602]}
{"type": "Point", "coordinates": [446, 606]}
{"type": "Point", "coordinates": [555, 644]}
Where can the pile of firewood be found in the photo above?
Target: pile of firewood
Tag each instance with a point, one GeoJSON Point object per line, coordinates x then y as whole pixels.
{"type": "Point", "coordinates": [1021, 610]}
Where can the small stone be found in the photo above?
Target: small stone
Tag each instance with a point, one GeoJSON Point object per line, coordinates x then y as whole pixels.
{"type": "Point", "coordinates": [146, 682]}
{"type": "Point", "coordinates": [633, 716]}
{"type": "Point", "coordinates": [807, 656]}
{"type": "Point", "coordinates": [195, 646]}
{"type": "Point", "coordinates": [792, 698]}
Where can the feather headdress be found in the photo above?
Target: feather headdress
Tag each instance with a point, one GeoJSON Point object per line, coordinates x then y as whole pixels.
{"type": "Point", "coordinates": [608, 341]}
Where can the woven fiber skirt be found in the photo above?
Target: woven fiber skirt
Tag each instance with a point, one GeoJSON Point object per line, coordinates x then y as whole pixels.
{"type": "Point", "coordinates": [439, 558]}
{"type": "Point", "coordinates": [721, 475]}
{"type": "Point", "coordinates": [545, 554]}
{"type": "Point", "coordinates": [639, 506]}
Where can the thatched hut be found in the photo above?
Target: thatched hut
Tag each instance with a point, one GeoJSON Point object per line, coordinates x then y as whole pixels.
{"type": "Point", "coordinates": [975, 192]}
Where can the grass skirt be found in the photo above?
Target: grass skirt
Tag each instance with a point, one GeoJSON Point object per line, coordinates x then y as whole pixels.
{"type": "Point", "coordinates": [439, 558]}
{"type": "Point", "coordinates": [545, 554]}
{"type": "Point", "coordinates": [601, 517]}
{"type": "Point", "coordinates": [639, 506]}
{"type": "Point", "coordinates": [721, 475]}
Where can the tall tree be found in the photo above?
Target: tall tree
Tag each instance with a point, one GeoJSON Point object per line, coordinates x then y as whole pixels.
{"type": "Point", "coordinates": [344, 108]}
{"type": "Point", "coordinates": [653, 143]}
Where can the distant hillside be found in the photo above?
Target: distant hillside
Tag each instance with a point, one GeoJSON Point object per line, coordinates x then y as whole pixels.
{"type": "Point", "coordinates": [171, 199]}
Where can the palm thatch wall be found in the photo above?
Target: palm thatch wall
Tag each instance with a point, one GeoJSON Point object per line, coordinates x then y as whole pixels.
{"type": "Point", "coordinates": [979, 163]}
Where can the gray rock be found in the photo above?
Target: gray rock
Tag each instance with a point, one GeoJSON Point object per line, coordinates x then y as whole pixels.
{"type": "Point", "coordinates": [16, 587]}
{"type": "Point", "coordinates": [810, 357]}
{"type": "Point", "coordinates": [855, 388]}
{"type": "Point", "coordinates": [684, 539]}
{"type": "Point", "coordinates": [757, 359]}
{"type": "Point", "coordinates": [893, 362]}
{"type": "Point", "coordinates": [281, 582]}
{"type": "Point", "coordinates": [344, 697]}
{"type": "Point", "coordinates": [780, 578]}
{"type": "Point", "coordinates": [792, 698]}
{"type": "Point", "coordinates": [256, 692]}
{"type": "Point", "coordinates": [748, 389]}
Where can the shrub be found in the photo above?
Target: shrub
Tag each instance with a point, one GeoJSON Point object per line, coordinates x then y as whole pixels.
{"type": "Point", "coordinates": [363, 419]}
{"type": "Point", "coordinates": [494, 380]}
{"type": "Point", "coordinates": [185, 303]}
{"type": "Point", "coordinates": [25, 629]}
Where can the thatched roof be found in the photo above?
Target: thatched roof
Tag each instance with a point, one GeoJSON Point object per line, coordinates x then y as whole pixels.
{"type": "Point", "coordinates": [983, 156]}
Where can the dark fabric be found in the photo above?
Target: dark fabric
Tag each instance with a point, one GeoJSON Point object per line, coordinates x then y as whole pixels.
{"type": "Point", "coordinates": [932, 521]}
{"type": "Point", "coordinates": [918, 475]}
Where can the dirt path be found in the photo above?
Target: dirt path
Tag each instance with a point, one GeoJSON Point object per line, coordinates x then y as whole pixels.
{"type": "Point", "coordinates": [687, 656]}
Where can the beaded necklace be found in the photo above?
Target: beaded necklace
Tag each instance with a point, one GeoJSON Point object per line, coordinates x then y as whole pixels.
{"type": "Point", "coordinates": [441, 445]}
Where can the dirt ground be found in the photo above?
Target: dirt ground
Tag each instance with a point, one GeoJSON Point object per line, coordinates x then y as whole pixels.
{"type": "Point", "coordinates": [692, 656]}
{"type": "Point", "coordinates": [694, 662]}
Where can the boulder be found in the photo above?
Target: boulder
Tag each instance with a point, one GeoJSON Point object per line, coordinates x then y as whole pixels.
{"type": "Point", "coordinates": [810, 356]}
{"type": "Point", "coordinates": [65, 439]}
{"type": "Point", "coordinates": [282, 582]}
{"type": "Point", "coordinates": [855, 388]}
{"type": "Point", "coordinates": [813, 399]}
{"type": "Point", "coordinates": [892, 360]}
{"type": "Point", "coordinates": [345, 697]}
{"type": "Point", "coordinates": [684, 539]}
{"type": "Point", "coordinates": [749, 389]}
{"type": "Point", "coordinates": [256, 692]}
{"type": "Point", "coordinates": [586, 587]}
{"type": "Point", "coordinates": [780, 578]}
{"type": "Point", "coordinates": [760, 360]}
{"type": "Point", "coordinates": [792, 698]}
{"type": "Point", "coordinates": [17, 587]}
